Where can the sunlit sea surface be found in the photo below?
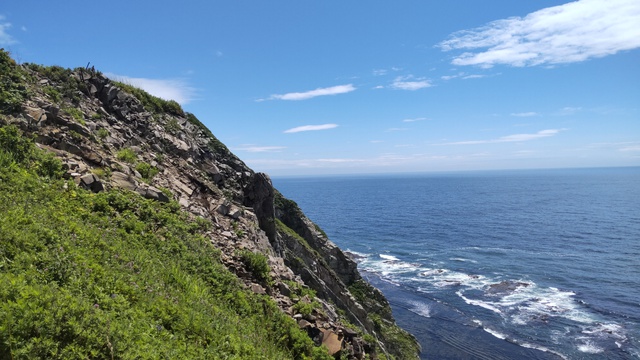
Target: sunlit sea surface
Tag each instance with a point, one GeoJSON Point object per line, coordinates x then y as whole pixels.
{"type": "Point", "coordinates": [495, 265]}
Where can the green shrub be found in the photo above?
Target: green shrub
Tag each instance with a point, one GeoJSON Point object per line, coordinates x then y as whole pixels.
{"type": "Point", "coordinates": [256, 263]}
{"type": "Point", "coordinates": [76, 114]}
{"type": "Point", "coordinates": [12, 142]}
{"type": "Point", "coordinates": [147, 171]}
{"type": "Point", "coordinates": [152, 103]}
{"type": "Point", "coordinates": [13, 89]}
{"type": "Point", "coordinates": [127, 155]}
{"type": "Point", "coordinates": [53, 93]}
{"type": "Point", "coordinates": [102, 133]}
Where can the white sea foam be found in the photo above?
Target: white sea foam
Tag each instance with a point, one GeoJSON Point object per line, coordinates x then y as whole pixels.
{"type": "Point", "coordinates": [609, 330]}
{"type": "Point", "coordinates": [484, 304]}
{"type": "Point", "coordinates": [590, 348]}
{"type": "Point", "coordinates": [420, 308]}
{"type": "Point", "coordinates": [444, 278]}
{"type": "Point", "coordinates": [495, 333]}
{"type": "Point", "coordinates": [463, 260]}
{"type": "Point", "coordinates": [388, 265]}
{"type": "Point", "coordinates": [389, 257]}
{"type": "Point", "coordinates": [541, 348]}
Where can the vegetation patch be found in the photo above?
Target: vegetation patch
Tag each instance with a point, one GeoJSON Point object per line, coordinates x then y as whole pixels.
{"type": "Point", "coordinates": [113, 275]}
{"type": "Point", "coordinates": [13, 89]}
{"type": "Point", "coordinates": [152, 103]}
{"type": "Point", "coordinates": [127, 155]}
{"type": "Point", "coordinates": [147, 171]}
{"type": "Point", "coordinates": [256, 263]}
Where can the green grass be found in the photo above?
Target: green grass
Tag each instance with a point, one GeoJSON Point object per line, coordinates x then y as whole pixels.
{"type": "Point", "coordinates": [112, 275]}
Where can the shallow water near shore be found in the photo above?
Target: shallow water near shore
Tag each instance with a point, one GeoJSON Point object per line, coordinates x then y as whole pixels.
{"type": "Point", "coordinates": [534, 264]}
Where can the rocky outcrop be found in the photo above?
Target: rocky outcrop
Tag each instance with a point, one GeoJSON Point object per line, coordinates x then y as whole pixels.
{"type": "Point", "coordinates": [111, 136]}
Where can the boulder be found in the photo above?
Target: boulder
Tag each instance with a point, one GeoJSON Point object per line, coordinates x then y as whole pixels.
{"type": "Point", "coordinates": [91, 182]}
{"type": "Point", "coordinates": [152, 193]}
{"type": "Point", "coordinates": [332, 341]}
{"type": "Point", "coordinates": [122, 180]}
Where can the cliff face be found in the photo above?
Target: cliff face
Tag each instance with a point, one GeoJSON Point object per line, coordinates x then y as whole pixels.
{"type": "Point", "coordinates": [110, 135]}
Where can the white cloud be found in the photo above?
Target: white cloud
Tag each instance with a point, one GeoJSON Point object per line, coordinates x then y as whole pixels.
{"type": "Point", "coordinates": [310, 128]}
{"type": "Point", "coordinates": [333, 90]}
{"type": "Point", "coordinates": [337, 161]}
{"type": "Point", "coordinates": [474, 76]}
{"type": "Point", "coordinates": [380, 72]}
{"type": "Point", "coordinates": [630, 148]}
{"type": "Point", "coordinates": [568, 110]}
{"type": "Point", "coordinates": [396, 129]}
{"type": "Point", "coordinates": [525, 114]}
{"type": "Point", "coordinates": [168, 89]}
{"type": "Point", "coordinates": [572, 32]}
{"type": "Point", "coordinates": [414, 120]}
{"type": "Point", "coordinates": [252, 148]}
{"type": "Point", "coordinates": [5, 38]}
{"type": "Point", "coordinates": [511, 138]}
{"type": "Point", "coordinates": [410, 83]}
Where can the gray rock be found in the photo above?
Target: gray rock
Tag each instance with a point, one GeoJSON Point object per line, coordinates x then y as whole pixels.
{"type": "Point", "coordinates": [91, 182]}
{"type": "Point", "coordinates": [152, 193]}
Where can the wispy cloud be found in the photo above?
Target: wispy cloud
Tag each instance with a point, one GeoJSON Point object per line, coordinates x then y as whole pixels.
{"type": "Point", "coordinates": [630, 148]}
{"type": "Point", "coordinates": [5, 38]}
{"type": "Point", "coordinates": [333, 90]}
{"type": "Point", "coordinates": [525, 114]}
{"type": "Point", "coordinates": [311, 128]}
{"type": "Point", "coordinates": [168, 89]}
{"type": "Point", "coordinates": [340, 160]}
{"type": "Point", "coordinates": [253, 148]}
{"type": "Point", "coordinates": [572, 32]}
{"type": "Point", "coordinates": [568, 110]}
{"type": "Point", "coordinates": [414, 120]}
{"type": "Point", "coordinates": [410, 83]}
{"type": "Point", "coordinates": [396, 129]}
{"type": "Point", "coordinates": [474, 76]}
{"type": "Point", "coordinates": [463, 76]}
{"type": "Point", "coordinates": [511, 138]}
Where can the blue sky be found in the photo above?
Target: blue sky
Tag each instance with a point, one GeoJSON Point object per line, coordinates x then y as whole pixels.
{"type": "Point", "coordinates": [334, 87]}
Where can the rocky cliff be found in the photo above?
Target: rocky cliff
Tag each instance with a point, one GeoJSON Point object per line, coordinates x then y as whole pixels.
{"type": "Point", "coordinates": [110, 135]}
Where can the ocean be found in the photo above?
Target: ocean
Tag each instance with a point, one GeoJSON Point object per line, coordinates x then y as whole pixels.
{"type": "Point", "coordinates": [527, 264]}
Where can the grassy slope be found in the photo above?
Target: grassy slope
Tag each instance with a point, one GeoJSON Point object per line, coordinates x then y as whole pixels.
{"type": "Point", "coordinates": [116, 276]}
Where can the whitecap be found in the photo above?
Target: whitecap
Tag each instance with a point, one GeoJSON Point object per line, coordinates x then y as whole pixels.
{"type": "Point", "coordinates": [495, 333]}
{"type": "Point", "coordinates": [609, 330]}
{"type": "Point", "coordinates": [483, 304]}
{"type": "Point", "coordinates": [389, 257]}
{"type": "Point", "coordinates": [463, 260]}
{"type": "Point", "coordinates": [420, 308]}
{"type": "Point", "coordinates": [590, 348]}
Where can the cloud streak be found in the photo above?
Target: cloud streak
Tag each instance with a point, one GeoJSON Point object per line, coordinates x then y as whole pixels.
{"type": "Point", "coordinates": [414, 120]}
{"type": "Point", "coordinates": [333, 90]}
{"type": "Point", "coordinates": [254, 149]}
{"type": "Point", "coordinates": [409, 83]}
{"type": "Point", "coordinates": [310, 128]}
{"type": "Point", "coordinates": [525, 114]}
{"type": "Point", "coordinates": [511, 138]}
{"type": "Point", "coordinates": [5, 38]}
{"type": "Point", "coordinates": [572, 32]}
{"type": "Point", "coordinates": [168, 89]}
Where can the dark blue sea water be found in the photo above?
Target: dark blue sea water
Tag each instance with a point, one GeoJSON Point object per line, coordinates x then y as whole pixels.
{"type": "Point", "coordinates": [495, 265]}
